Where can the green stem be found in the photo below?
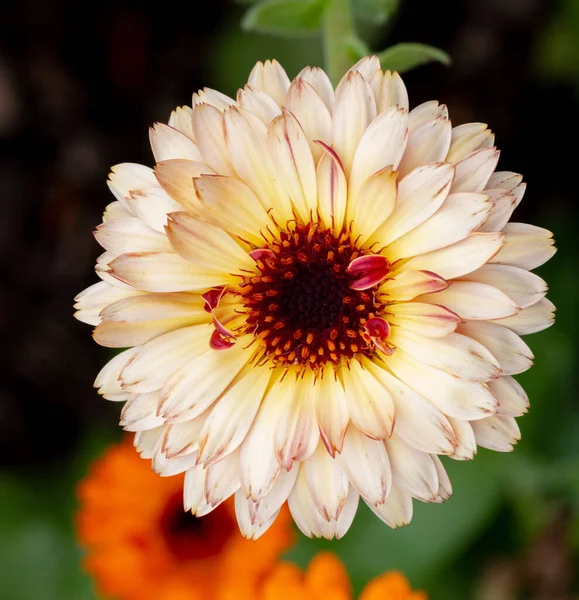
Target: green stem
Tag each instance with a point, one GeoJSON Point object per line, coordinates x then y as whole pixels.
{"type": "Point", "coordinates": [338, 27]}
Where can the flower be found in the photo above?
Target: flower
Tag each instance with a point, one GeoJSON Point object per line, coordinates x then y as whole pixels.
{"type": "Point", "coordinates": [320, 293]}
{"type": "Point", "coordinates": [142, 546]}
{"type": "Point", "coordinates": [326, 578]}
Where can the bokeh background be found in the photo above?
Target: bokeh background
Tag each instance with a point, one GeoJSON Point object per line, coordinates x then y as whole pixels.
{"type": "Point", "coordinates": [79, 85]}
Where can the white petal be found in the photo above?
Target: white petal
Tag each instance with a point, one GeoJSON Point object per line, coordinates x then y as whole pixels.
{"type": "Point", "coordinates": [505, 180]}
{"type": "Point", "coordinates": [381, 145]}
{"type": "Point", "coordinates": [180, 120]}
{"type": "Point", "coordinates": [420, 195]}
{"type": "Point", "coordinates": [507, 347]}
{"type": "Point", "coordinates": [344, 521]}
{"type": "Point", "coordinates": [473, 171]}
{"type": "Point", "coordinates": [108, 379]}
{"type": "Point", "coordinates": [194, 489]}
{"type": "Point", "coordinates": [232, 416]}
{"type": "Point", "coordinates": [271, 78]}
{"type": "Point", "coordinates": [130, 235]}
{"type": "Point", "coordinates": [354, 110]}
{"type": "Point", "coordinates": [467, 138]}
{"type": "Point", "coordinates": [455, 397]}
{"type": "Point", "coordinates": [365, 462]}
{"type": "Point", "coordinates": [409, 284]}
{"type": "Point", "coordinates": [523, 287]}
{"type": "Point", "coordinates": [168, 143]}
{"type": "Point", "coordinates": [140, 413]}
{"type": "Point", "coordinates": [426, 112]}
{"type": "Point", "coordinates": [367, 67]}
{"type": "Point", "coordinates": [213, 98]}
{"type": "Point", "coordinates": [460, 258]}
{"type": "Point", "coordinates": [222, 479]}
{"type": "Point", "coordinates": [332, 411]}
{"type": "Point", "coordinates": [309, 108]}
{"type": "Point", "coordinates": [503, 205]}
{"type": "Point", "coordinates": [526, 246]}
{"type": "Point", "coordinates": [412, 470]}
{"type": "Point", "coordinates": [327, 483]}
{"type": "Point", "coordinates": [332, 190]}
{"type": "Point", "coordinates": [427, 143]}
{"type": "Point", "coordinates": [393, 92]}
{"type": "Point", "coordinates": [466, 444]}
{"type": "Point", "coordinates": [425, 319]}
{"type": "Point", "coordinates": [513, 400]}
{"type": "Point", "coordinates": [176, 178]}
{"type": "Point", "coordinates": [397, 510]}
{"type": "Point", "coordinates": [370, 404]}
{"type": "Point", "coordinates": [318, 79]}
{"type": "Point", "coordinates": [262, 510]}
{"type": "Point", "coordinates": [148, 442]}
{"type": "Point", "coordinates": [180, 439]}
{"type": "Point", "coordinates": [249, 530]}
{"type": "Point", "coordinates": [167, 467]}
{"type": "Point", "coordinates": [532, 319]}
{"type": "Point", "coordinates": [453, 221]}
{"type": "Point", "coordinates": [210, 134]}
{"type": "Point", "coordinates": [116, 210]}
{"type": "Point", "coordinates": [497, 433]}
{"type": "Point", "coordinates": [91, 301]}
{"type": "Point", "coordinates": [444, 485]}
{"type": "Point", "coordinates": [259, 103]}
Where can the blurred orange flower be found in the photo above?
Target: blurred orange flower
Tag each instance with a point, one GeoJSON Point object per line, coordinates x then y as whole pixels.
{"type": "Point", "coordinates": [141, 545]}
{"type": "Point", "coordinates": [327, 579]}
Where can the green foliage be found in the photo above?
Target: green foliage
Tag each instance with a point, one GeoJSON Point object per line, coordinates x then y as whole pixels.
{"type": "Point", "coordinates": [404, 57]}
{"type": "Point", "coordinates": [375, 12]}
{"type": "Point", "coordinates": [285, 17]}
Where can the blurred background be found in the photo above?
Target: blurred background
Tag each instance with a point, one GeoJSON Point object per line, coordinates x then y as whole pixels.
{"type": "Point", "coordinates": [79, 85]}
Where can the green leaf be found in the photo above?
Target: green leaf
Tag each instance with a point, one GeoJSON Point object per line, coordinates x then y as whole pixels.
{"type": "Point", "coordinates": [356, 48]}
{"type": "Point", "coordinates": [375, 12]}
{"type": "Point", "coordinates": [285, 17]}
{"type": "Point", "coordinates": [404, 57]}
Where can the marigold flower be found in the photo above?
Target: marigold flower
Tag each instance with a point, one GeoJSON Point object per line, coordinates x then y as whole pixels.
{"type": "Point", "coordinates": [326, 578]}
{"type": "Point", "coordinates": [321, 293]}
{"type": "Point", "coordinates": [142, 546]}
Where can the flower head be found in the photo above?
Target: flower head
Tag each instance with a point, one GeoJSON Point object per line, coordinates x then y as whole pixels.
{"type": "Point", "coordinates": [142, 546]}
{"type": "Point", "coordinates": [321, 293]}
{"type": "Point", "coordinates": [326, 578]}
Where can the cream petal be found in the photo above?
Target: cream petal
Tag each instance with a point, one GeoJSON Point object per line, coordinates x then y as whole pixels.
{"type": "Point", "coordinates": [532, 319]}
{"type": "Point", "coordinates": [468, 400]}
{"type": "Point", "coordinates": [503, 205]}
{"type": "Point", "coordinates": [232, 416]}
{"type": "Point", "coordinates": [153, 363]}
{"type": "Point", "coordinates": [373, 204]}
{"type": "Point", "coordinates": [148, 442]}
{"type": "Point", "coordinates": [180, 120]}
{"type": "Point", "coordinates": [370, 404]}
{"type": "Point", "coordinates": [460, 258]}
{"type": "Point", "coordinates": [420, 195]}
{"type": "Point", "coordinates": [474, 301]}
{"type": "Point", "coordinates": [523, 287]}
{"type": "Point", "coordinates": [526, 246]}
{"type": "Point", "coordinates": [263, 106]}
{"type": "Point", "coordinates": [176, 178]}
{"type": "Point", "coordinates": [206, 245]}
{"type": "Point", "coordinates": [429, 142]}
{"type": "Point", "coordinates": [233, 206]}
{"type": "Point", "coordinates": [180, 439]}
{"type": "Point", "coordinates": [222, 479]}
{"type": "Point", "coordinates": [249, 530]}
{"type": "Point", "coordinates": [271, 78]}
{"type": "Point", "coordinates": [497, 433]}
{"type": "Point", "coordinates": [346, 518]}
{"type": "Point", "coordinates": [200, 382]}
{"type": "Point", "coordinates": [397, 510]}
{"type": "Point", "coordinates": [136, 320]}
{"type": "Point", "coordinates": [167, 467]}
{"type": "Point", "coordinates": [426, 112]}
{"type": "Point", "coordinates": [354, 110]}
{"type": "Point", "coordinates": [422, 318]}
{"type": "Point", "coordinates": [108, 380]}
{"type": "Point", "coordinates": [409, 284]}
{"type": "Point", "coordinates": [513, 400]}
{"type": "Point", "coordinates": [473, 171]}
{"type": "Point", "coordinates": [246, 138]}
{"type": "Point", "coordinates": [327, 483]}
{"type": "Point", "coordinates": [212, 98]}
{"type": "Point", "coordinates": [468, 138]}
{"type": "Point", "coordinates": [261, 511]}
{"type": "Point", "coordinates": [365, 462]}
{"type": "Point", "coordinates": [321, 83]}
{"type": "Point", "coordinates": [168, 143]}
{"type": "Point", "coordinates": [313, 114]}
{"type": "Point", "coordinates": [194, 490]}
{"type": "Point", "coordinates": [296, 432]}
{"type": "Point", "coordinates": [505, 180]}
{"type": "Point", "coordinates": [456, 354]}
{"type": "Point", "coordinates": [381, 145]}
{"type": "Point", "coordinates": [130, 235]}
{"type": "Point", "coordinates": [165, 272]}
{"type": "Point", "coordinates": [412, 470]}
{"type": "Point", "coordinates": [466, 444]}
{"type": "Point", "coordinates": [332, 190]}
{"type": "Point", "coordinates": [507, 347]}
{"type": "Point", "coordinates": [444, 485]}
{"type": "Point", "coordinates": [393, 92]}
{"type": "Point", "coordinates": [209, 129]}
{"type": "Point", "coordinates": [459, 216]}
{"type": "Point", "coordinates": [418, 422]}
{"type": "Point", "coordinates": [294, 163]}
{"type": "Point", "coordinates": [332, 411]}
{"type": "Point", "coordinates": [140, 413]}
{"type": "Point", "coordinates": [367, 67]}
{"type": "Point", "coordinates": [91, 301]}
{"type": "Point", "coordinates": [137, 188]}
{"type": "Point", "coordinates": [116, 210]}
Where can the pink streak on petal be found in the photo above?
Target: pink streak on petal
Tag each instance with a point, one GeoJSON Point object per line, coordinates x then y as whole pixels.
{"type": "Point", "coordinates": [378, 330]}
{"type": "Point", "coordinates": [212, 298]}
{"type": "Point", "coordinates": [368, 271]}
